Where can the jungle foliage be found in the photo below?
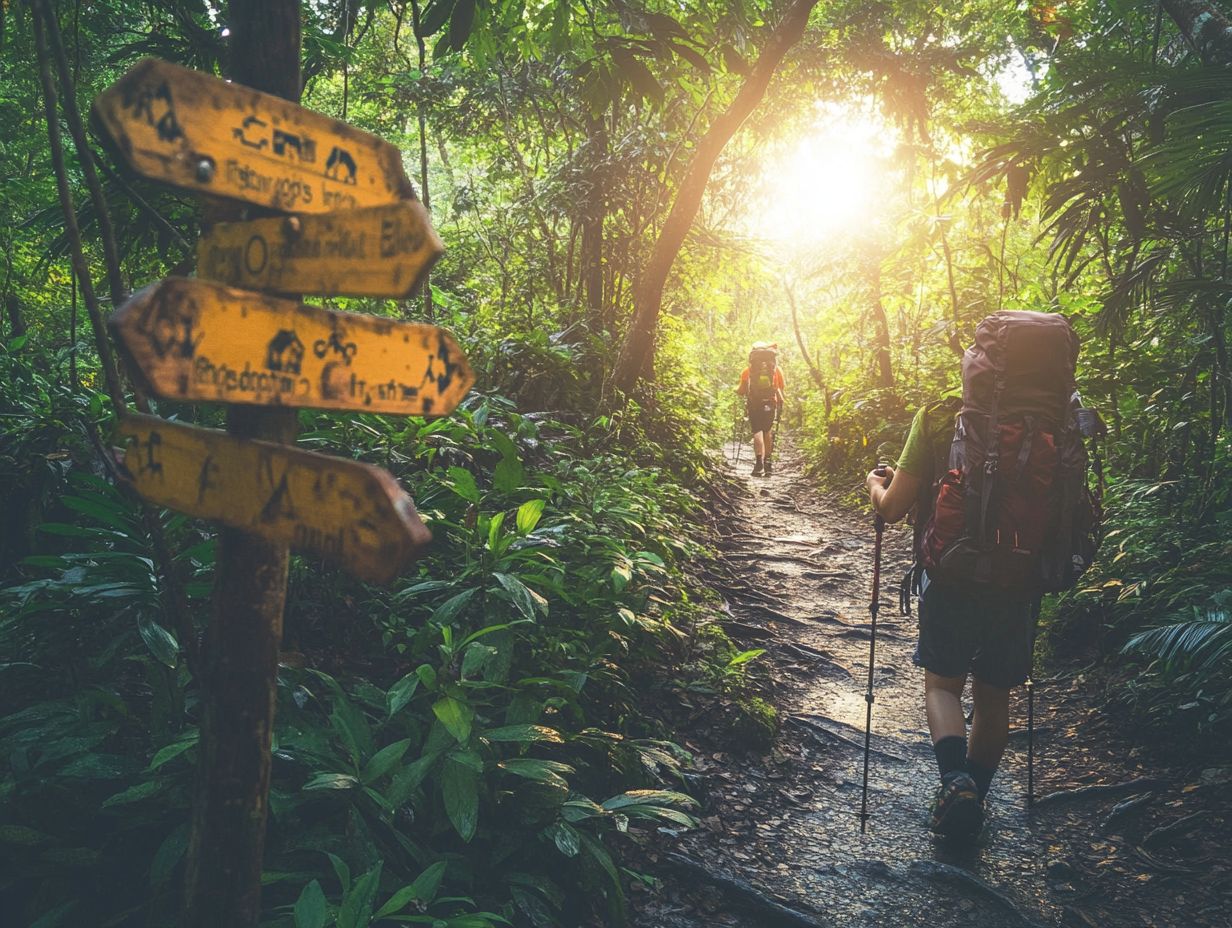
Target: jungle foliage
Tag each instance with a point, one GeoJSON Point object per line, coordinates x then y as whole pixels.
{"type": "Point", "coordinates": [466, 747]}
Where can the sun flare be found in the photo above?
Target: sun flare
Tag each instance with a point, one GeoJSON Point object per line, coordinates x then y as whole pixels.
{"type": "Point", "coordinates": [829, 182]}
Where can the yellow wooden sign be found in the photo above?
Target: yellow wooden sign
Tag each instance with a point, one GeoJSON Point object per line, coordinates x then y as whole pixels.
{"type": "Point", "coordinates": [379, 251]}
{"type": "Point", "coordinates": [193, 340]}
{"type": "Point", "coordinates": [350, 513]}
{"type": "Point", "coordinates": [210, 136]}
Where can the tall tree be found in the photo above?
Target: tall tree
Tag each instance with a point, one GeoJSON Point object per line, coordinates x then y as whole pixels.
{"type": "Point", "coordinates": [648, 293]}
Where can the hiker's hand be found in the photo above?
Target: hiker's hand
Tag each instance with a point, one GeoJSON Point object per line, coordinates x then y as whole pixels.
{"type": "Point", "coordinates": [879, 477]}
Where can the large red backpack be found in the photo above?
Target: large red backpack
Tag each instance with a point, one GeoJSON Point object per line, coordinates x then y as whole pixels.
{"type": "Point", "coordinates": [1012, 513]}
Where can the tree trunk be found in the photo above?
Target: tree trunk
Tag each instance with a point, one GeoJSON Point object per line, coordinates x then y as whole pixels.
{"type": "Point", "coordinates": [593, 211]}
{"type": "Point", "coordinates": [17, 316]}
{"type": "Point", "coordinates": [814, 370]}
{"type": "Point", "coordinates": [1205, 28]}
{"type": "Point", "coordinates": [429, 309]}
{"type": "Point", "coordinates": [881, 327]}
{"type": "Point", "coordinates": [648, 294]}
{"type": "Point", "coordinates": [226, 846]}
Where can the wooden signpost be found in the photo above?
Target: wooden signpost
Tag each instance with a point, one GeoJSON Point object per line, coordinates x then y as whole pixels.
{"type": "Point", "coordinates": [355, 228]}
{"type": "Point", "coordinates": [209, 136]}
{"type": "Point", "coordinates": [343, 511]}
{"type": "Point", "coordinates": [193, 340]}
{"type": "Point", "coordinates": [378, 251]}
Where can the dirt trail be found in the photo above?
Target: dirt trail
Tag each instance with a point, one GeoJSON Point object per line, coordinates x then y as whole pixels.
{"type": "Point", "coordinates": [783, 830]}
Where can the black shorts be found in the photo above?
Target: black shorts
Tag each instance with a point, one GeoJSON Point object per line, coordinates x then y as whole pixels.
{"type": "Point", "coordinates": [988, 636]}
{"type": "Point", "coordinates": [761, 417]}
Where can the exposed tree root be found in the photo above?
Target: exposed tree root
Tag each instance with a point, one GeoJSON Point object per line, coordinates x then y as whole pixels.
{"type": "Point", "coordinates": [1101, 790]}
{"type": "Point", "coordinates": [744, 895]}
{"type": "Point", "coordinates": [815, 656]}
{"type": "Point", "coordinates": [1174, 829]}
{"type": "Point", "coordinates": [820, 725]}
{"type": "Point", "coordinates": [956, 876]}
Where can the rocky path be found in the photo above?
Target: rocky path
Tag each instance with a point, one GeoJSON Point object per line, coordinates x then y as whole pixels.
{"type": "Point", "coordinates": [781, 842]}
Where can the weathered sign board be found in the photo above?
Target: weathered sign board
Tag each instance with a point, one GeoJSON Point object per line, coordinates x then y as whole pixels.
{"type": "Point", "coordinates": [382, 251]}
{"type": "Point", "coordinates": [197, 341]}
{"type": "Point", "coordinates": [209, 136]}
{"type": "Point", "coordinates": [344, 511]}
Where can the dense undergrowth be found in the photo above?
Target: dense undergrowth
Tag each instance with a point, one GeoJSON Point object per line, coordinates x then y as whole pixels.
{"type": "Point", "coordinates": [454, 749]}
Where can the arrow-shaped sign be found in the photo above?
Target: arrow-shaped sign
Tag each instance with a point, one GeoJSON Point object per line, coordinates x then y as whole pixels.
{"type": "Point", "coordinates": [196, 341]}
{"type": "Point", "coordinates": [379, 251]}
{"type": "Point", "coordinates": [207, 135]}
{"type": "Point", "coordinates": [343, 511]}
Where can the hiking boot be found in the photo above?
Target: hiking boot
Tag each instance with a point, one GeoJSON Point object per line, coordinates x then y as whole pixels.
{"type": "Point", "coordinates": [766, 470]}
{"type": "Point", "coordinates": [956, 811]}
{"type": "Point", "coordinates": [757, 468]}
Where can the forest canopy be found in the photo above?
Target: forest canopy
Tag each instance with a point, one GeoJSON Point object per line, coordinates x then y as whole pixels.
{"type": "Point", "coordinates": [629, 194]}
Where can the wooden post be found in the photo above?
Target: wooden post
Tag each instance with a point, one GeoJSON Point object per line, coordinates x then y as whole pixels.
{"type": "Point", "coordinates": [223, 875]}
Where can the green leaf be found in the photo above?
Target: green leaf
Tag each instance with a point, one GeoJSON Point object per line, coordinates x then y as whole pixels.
{"type": "Point", "coordinates": [356, 908]}
{"type": "Point", "coordinates": [745, 656]}
{"type": "Point", "coordinates": [509, 475]}
{"type": "Point", "coordinates": [541, 771]}
{"type": "Point", "coordinates": [162, 643]}
{"type": "Point", "coordinates": [529, 514]}
{"type": "Point", "coordinates": [636, 74]}
{"type": "Point", "coordinates": [621, 574]}
{"type": "Point", "coordinates": [524, 734]}
{"type": "Point", "coordinates": [434, 17]}
{"type": "Point", "coordinates": [518, 593]}
{"type": "Point", "coordinates": [460, 791]}
{"type": "Point", "coordinates": [173, 750]}
{"type": "Point", "coordinates": [475, 659]}
{"type": "Point", "coordinates": [401, 692]}
{"type": "Point", "coordinates": [568, 839]}
{"type": "Point", "coordinates": [461, 23]}
{"type": "Point", "coordinates": [422, 890]}
{"type": "Point", "coordinates": [648, 797]}
{"type": "Point", "coordinates": [332, 781]}
{"type": "Point", "coordinates": [134, 793]}
{"type": "Point", "coordinates": [462, 482]}
{"type": "Point", "coordinates": [311, 909]}
{"type": "Point", "coordinates": [455, 716]}
{"type": "Point", "coordinates": [447, 611]}
{"type": "Point", "coordinates": [384, 760]}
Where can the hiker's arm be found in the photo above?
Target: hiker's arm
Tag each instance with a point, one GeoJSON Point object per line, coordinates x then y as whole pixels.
{"type": "Point", "coordinates": [894, 501]}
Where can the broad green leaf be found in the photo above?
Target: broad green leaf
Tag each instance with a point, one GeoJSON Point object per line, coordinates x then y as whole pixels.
{"type": "Point", "coordinates": [134, 793]}
{"type": "Point", "coordinates": [384, 760]}
{"type": "Point", "coordinates": [460, 792]}
{"type": "Point", "coordinates": [174, 750]}
{"type": "Point", "coordinates": [311, 910]}
{"type": "Point", "coordinates": [332, 781]}
{"type": "Point", "coordinates": [508, 476]}
{"type": "Point", "coordinates": [518, 593]}
{"type": "Point", "coordinates": [356, 908]}
{"type": "Point", "coordinates": [422, 890]}
{"type": "Point", "coordinates": [529, 514]}
{"type": "Point", "coordinates": [162, 643]}
{"type": "Point", "coordinates": [541, 771]}
{"type": "Point", "coordinates": [456, 716]}
{"type": "Point", "coordinates": [400, 693]}
{"type": "Point", "coordinates": [524, 734]}
{"type": "Point", "coordinates": [462, 482]}
{"type": "Point", "coordinates": [447, 611]}
{"type": "Point", "coordinates": [567, 838]}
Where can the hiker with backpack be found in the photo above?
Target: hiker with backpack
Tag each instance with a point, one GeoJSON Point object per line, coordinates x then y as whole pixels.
{"type": "Point", "coordinates": [1003, 515]}
{"type": "Point", "coordinates": [762, 385]}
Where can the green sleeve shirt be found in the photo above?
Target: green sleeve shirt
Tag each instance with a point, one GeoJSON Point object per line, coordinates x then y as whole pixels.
{"type": "Point", "coordinates": [917, 456]}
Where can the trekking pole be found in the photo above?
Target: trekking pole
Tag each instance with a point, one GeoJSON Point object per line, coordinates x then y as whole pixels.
{"type": "Point", "coordinates": [1030, 743]}
{"type": "Point", "coordinates": [739, 432]}
{"type": "Point", "coordinates": [873, 607]}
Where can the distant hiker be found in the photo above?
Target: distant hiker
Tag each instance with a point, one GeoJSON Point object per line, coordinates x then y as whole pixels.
{"type": "Point", "coordinates": [762, 385]}
{"type": "Point", "coordinates": [998, 524]}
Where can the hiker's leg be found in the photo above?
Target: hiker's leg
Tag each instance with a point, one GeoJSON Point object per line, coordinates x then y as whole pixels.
{"type": "Point", "coordinates": [769, 444]}
{"type": "Point", "coordinates": [759, 444]}
{"type": "Point", "coordinates": [990, 725]}
{"type": "Point", "coordinates": [943, 703]}
{"type": "Point", "coordinates": [989, 732]}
